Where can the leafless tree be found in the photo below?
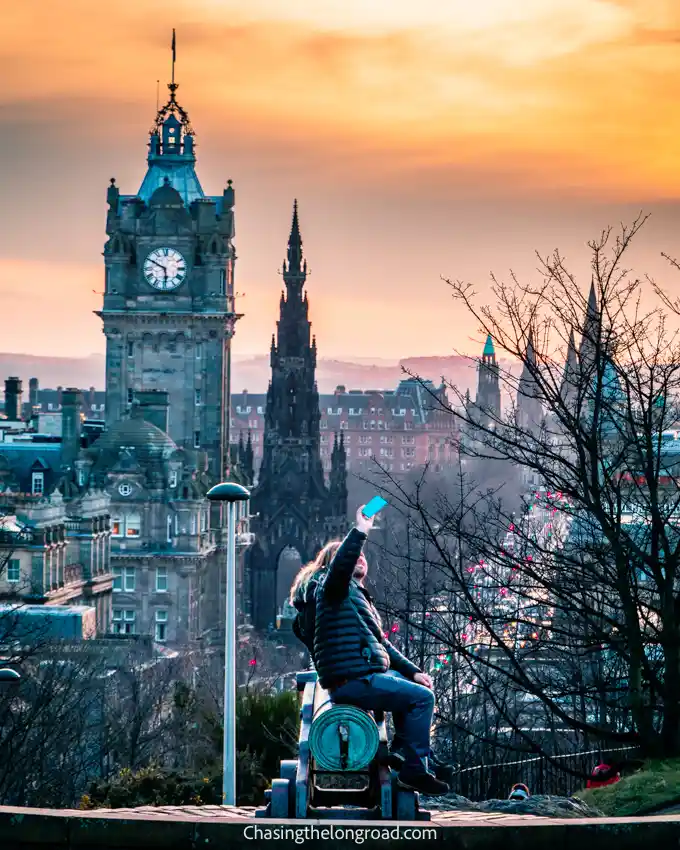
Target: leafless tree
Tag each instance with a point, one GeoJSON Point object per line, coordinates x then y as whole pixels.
{"type": "Point", "coordinates": [569, 599]}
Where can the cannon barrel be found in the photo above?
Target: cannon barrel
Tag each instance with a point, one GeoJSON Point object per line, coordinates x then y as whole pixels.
{"type": "Point", "coordinates": [341, 737]}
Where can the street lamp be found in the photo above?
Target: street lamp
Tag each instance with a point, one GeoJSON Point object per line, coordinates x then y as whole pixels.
{"type": "Point", "coordinates": [231, 493]}
{"type": "Point", "coordinates": [8, 676]}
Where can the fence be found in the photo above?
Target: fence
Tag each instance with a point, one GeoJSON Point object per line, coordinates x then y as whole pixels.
{"type": "Point", "coordinates": [541, 775]}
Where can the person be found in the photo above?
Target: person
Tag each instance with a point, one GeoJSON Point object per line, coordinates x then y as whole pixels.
{"type": "Point", "coordinates": [357, 664]}
{"type": "Point", "coordinates": [519, 792]}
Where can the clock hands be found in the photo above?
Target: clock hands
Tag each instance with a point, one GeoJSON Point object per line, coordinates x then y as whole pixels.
{"type": "Point", "coordinates": [161, 266]}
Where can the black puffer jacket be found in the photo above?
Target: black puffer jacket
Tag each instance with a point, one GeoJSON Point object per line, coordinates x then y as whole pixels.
{"type": "Point", "coordinates": [348, 639]}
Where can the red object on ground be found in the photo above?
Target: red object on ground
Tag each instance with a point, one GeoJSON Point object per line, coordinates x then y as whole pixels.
{"type": "Point", "coordinates": [601, 776]}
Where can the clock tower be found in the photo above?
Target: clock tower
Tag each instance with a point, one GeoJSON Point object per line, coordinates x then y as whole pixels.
{"type": "Point", "coordinates": [169, 311]}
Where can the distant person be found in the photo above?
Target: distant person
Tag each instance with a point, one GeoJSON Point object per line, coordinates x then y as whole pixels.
{"type": "Point", "coordinates": [602, 775]}
{"type": "Point", "coordinates": [519, 792]}
{"type": "Point", "coordinates": [357, 664]}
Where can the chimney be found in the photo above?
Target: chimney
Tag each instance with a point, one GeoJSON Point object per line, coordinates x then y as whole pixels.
{"type": "Point", "coordinates": [154, 406]}
{"type": "Point", "coordinates": [13, 393]}
{"type": "Point", "coordinates": [71, 425]}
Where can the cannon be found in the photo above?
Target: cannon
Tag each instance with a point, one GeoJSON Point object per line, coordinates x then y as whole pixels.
{"type": "Point", "coordinates": [338, 746]}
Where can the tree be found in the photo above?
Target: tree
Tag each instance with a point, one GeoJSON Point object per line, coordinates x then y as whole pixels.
{"type": "Point", "coordinates": [571, 599]}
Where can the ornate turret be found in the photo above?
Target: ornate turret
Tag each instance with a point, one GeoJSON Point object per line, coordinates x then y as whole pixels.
{"type": "Point", "coordinates": [488, 399]}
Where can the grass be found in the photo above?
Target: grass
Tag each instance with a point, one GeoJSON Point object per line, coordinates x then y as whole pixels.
{"type": "Point", "coordinates": [646, 791]}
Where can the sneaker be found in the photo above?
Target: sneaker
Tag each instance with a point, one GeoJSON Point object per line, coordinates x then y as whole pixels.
{"type": "Point", "coordinates": [417, 779]}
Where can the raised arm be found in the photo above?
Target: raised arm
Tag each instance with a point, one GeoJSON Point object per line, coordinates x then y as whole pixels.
{"type": "Point", "coordinates": [345, 560]}
{"type": "Point", "coordinates": [342, 566]}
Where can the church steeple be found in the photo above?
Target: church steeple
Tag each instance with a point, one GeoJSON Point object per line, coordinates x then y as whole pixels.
{"type": "Point", "coordinates": [529, 407]}
{"type": "Point", "coordinates": [295, 266]}
{"type": "Point", "coordinates": [488, 399]}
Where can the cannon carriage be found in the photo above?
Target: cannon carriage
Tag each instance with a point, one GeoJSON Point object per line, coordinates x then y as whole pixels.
{"type": "Point", "coordinates": [341, 770]}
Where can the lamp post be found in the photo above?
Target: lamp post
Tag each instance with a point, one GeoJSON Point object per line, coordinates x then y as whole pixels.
{"type": "Point", "coordinates": [8, 676]}
{"type": "Point", "coordinates": [231, 493]}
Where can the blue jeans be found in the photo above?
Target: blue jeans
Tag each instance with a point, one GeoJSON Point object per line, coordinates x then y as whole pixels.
{"type": "Point", "coordinates": [412, 707]}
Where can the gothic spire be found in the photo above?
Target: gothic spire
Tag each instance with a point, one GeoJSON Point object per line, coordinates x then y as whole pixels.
{"type": "Point", "coordinates": [296, 267]}
{"type": "Point", "coordinates": [569, 376]}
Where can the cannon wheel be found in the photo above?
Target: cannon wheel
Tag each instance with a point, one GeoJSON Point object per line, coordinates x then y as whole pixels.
{"type": "Point", "coordinates": [280, 798]}
{"type": "Point", "coordinates": [289, 771]}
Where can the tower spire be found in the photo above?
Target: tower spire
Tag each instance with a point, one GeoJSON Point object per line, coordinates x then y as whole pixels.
{"type": "Point", "coordinates": [295, 265]}
{"type": "Point", "coordinates": [174, 59]}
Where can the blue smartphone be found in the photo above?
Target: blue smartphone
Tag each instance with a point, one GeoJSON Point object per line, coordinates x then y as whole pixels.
{"type": "Point", "coordinates": [373, 507]}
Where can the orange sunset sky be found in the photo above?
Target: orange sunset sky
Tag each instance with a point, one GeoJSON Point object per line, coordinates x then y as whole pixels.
{"type": "Point", "coordinates": [429, 138]}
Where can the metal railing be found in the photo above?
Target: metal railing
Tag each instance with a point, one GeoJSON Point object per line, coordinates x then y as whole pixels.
{"type": "Point", "coordinates": [541, 775]}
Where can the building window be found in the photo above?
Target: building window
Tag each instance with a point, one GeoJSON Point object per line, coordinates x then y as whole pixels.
{"type": "Point", "coordinates": [344, 425]}
{"type": "Point", "coordinates": [197, 439]}
{"type": "Point", "coordinates": [387, 452]}
{"type": "Point", "coordinates": [386, 439]}
{"type": "Point", "coordinates": [324, 439]}
{"type": "Point", "coordinates": [124, 489]}
{"type": "Point", "coordinates": [133, 525]}
{"type": "Point", "coordinates": [161, 579]}
{"type": "Point", "coordinates": [81, 477]}
{"type": "Point", "coordinates": [408, 452]}
{"type": "Point", "coordinates": [123, 621]}
{"type": "Point", "coordinates": [116, 527]}
{"type": "Point", "coordinates": [172, 478]}
{"type": "Point", "coordinates": [364, 452]}
{"type": "Point", "coordinates": [223, 281]}
{"type": "Point", "coordinates": [194, 524]}
{"type": "Point", "coordinates": [197, 397]}
{"type": "Point", "coordinates": [117, 579]}
{"type": "Point", "coordinates": [130, 396]}
{"type": "Point", "coordinates": [199, 351]}
{"type": "Point", "coordinates": [204, 520]}
{"type": "Point", "coordinates": [161, 625]}
{"type": "Point", "coordinates": [260, 410]}
{"type": "Point", "coordinates": [130, 349]}
{"type": "Point", "coordinates": [408, 441]}
{"type": "Point", "coordinates": [13, 570]}
{"type": "Point", "coordinates": [38, 483]}
{"type": "Point", "coordinates": [129, 579]}
{"type": "Point", "coordinates": [168, 529]}
{"type": "Point", "coordinates": [408, 426]}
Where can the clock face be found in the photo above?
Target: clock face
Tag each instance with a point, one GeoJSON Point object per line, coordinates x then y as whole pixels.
{"type": "Point", "coordinates": [165, 269]}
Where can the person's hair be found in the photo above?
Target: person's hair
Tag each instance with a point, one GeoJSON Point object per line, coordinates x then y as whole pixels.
{"type": "Point", "coordinates": [321, 562]}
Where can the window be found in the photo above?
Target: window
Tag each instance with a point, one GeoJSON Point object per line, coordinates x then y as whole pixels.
{"type": "Point", "coordinates": [330, 411]}
{"type": "Point", "coordinates": [117, 579]}
{"type": "Point", "coordinates": [365, 438]}
{"type": "Point", "coordinates": [81, 477]}
{"type": "Point", "coordinates": [176, 525]}
{"type": "Point", "coordinates": [344, 425]}
{"type": "Point", "coordinates": [161, 579]}
{"type": "Point", "coordinates": [124, 489]}
{"type": "Point", "coordinates": [123, 621]}
{"type": "Point", "coordinates": [364, 452]}
{"type": "Point", "coordinates": [197, 397]}
{"type": "Point", "coordinates": [116, 527]}
{"type": "Point", "coordinates": [197, 439]}
{"type": "Point", "coordinates": [223, 281]}
{"type": "Point", "coordinates": [194, 524]}
{"type": "Point", "coordinates": [324, 438]}
{"type": "Point", "coordinates": [130, 396]}
{"type": "Point", "coordinates": [204, 520]}
{"type": "Point", "coordinates": [172, 479]}
{"type": "Point", "coordinates": [133, 525]}
{"type": "Point", "coordinates": [168, 529]}
{"type": "Point", "coordinates": [13, 570]}
{"type": "Point", "coordinates": [323, 451]}
{"type": "Point", "coordinates": [260, 410]}
{"type": "Point", "coordinates": [408, 452]}
{"type": "Point", "coordinates": [324, 425]}
{"type": "Point", "coordinates": [386, 439]}
{"type": "Point", "coordinates": [161, 625]}
{"type": "Point", "coordinates": [38, 483]}
{"type": "Point", "coordinates": [129, 579]}
{"type": "Point", "coordinates": [199, 351]}
{"type": "Point", "coordinates": [130, 348]}
{"type": "Point", "coordinates": [387, 452]}
{"type": "Point", "coordinates": [408, 441]}
{"type": "Point", "coordinates": [408, 426]}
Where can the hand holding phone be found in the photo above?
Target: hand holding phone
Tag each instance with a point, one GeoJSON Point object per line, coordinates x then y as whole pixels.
{"type": "Point", "coordinates": [373, 507]}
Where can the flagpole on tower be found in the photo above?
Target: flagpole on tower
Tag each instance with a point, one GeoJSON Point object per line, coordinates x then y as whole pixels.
{"type": "Point", "coordinates": [174, 55]}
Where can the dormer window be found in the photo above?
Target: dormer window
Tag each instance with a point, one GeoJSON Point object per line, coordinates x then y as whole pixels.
{"type": "Point", "coordinates": [38, 483]}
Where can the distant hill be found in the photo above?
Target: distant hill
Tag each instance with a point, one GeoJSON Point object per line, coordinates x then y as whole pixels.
{"type": "Point", "coordinates": [251, 373]}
